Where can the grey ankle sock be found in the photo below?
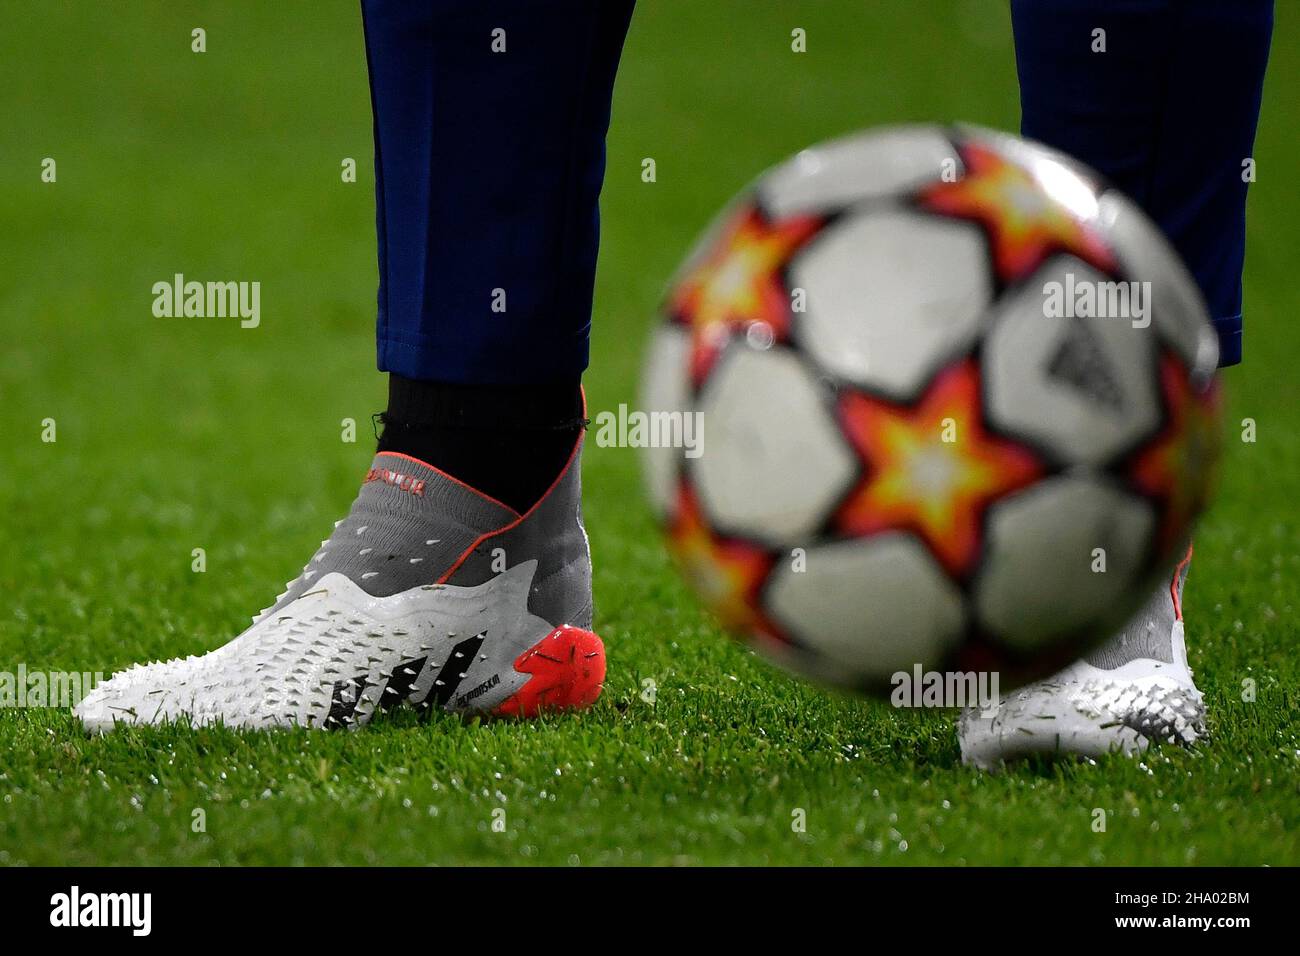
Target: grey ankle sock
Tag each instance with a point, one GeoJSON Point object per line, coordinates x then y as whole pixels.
{"type": "Point", "coordinates": [1149, 634]}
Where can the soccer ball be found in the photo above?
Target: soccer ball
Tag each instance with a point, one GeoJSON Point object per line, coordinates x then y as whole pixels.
{"type": "Point", "coordinates": [958, 409]}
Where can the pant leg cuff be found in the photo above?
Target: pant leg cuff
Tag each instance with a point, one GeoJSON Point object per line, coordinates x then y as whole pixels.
{"type": "Point", "coordinates": [1229, 329]}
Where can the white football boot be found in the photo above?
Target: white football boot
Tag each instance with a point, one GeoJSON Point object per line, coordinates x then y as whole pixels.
{"type": "Point", "coordinates": [1134, 691]}
{"type": "Point", "coordinates": [428, 593]}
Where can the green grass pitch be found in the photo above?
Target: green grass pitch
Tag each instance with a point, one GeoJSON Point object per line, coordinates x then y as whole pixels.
{"type": "Point", "coordinates": [182, 434]}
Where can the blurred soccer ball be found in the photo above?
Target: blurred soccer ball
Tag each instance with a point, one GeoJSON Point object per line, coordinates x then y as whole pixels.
{"type": "Point", "coordinates": [958, 405]}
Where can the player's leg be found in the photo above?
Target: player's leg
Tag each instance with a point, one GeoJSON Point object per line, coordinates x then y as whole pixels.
{"type": "Point", "coordinates": [461, 578]}
{"type": "Point", "coordinates": [490, 124]}
{"type": "Point", "coordinates": [1166, 110]}
{"type": "Point", "coordinates": [1162, 97]}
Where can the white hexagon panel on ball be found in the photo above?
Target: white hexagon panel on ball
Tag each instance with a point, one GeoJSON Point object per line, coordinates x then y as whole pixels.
{"type": "Point", "coordinates": [1082, 387]}
{"type": "Point", "coordinates": [844, 172]}
{"type": "Point", "coordinates": [891, 295]}
{"type": "Point", "coordinates": [1061, 557]}
{"type": "Point", "coordinates": [665, 387]}
{"type": "Point", "coordinates": [1180, 313]}
{"type": "Point", "coordinates": [869, 607]}
{"type": "Point", "coordinates": [774, 461]}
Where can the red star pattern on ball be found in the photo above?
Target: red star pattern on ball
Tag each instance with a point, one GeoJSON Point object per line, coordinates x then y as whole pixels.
{"type": "Point", "coordinates": [931, 468]}
{"type": "Point", "coordinates": [727, 573]}
{"type": "Point", "coordinates": [1025, 225]}
{"type": "Point", "coordinates": [740, 281]}
{"type": "Point", "coordinates": [1173, 467]}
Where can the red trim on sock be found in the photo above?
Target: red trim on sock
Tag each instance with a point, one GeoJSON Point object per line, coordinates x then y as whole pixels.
{"type": "Point", "coordinates": [523, 517]}
{"type": "Point", "coordinates": [1173, 585]}
{"type": "Point", "coordinates": [453, 478]}
{"type": "Point", "coordinates": [486, 497]}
